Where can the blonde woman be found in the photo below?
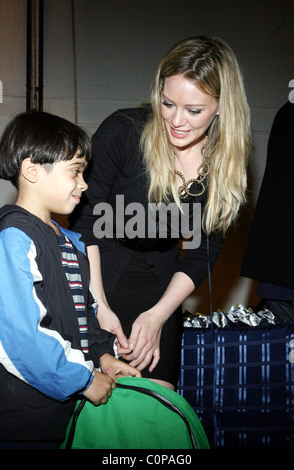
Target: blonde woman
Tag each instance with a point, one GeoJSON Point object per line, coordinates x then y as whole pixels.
{"type": "Point", "coordinates": [187, 149]}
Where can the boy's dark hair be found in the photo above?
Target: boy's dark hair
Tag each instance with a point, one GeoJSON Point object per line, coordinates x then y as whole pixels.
{"type": "Point", "coordinates": [44, 138]}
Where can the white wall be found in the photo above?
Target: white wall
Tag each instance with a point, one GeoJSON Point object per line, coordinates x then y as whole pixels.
{"type": "Point", "coordinates": [118, 45]}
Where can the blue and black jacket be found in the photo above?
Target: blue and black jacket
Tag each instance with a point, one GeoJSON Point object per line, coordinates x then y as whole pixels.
{"type": "Point", "coordinates": [42, 366]}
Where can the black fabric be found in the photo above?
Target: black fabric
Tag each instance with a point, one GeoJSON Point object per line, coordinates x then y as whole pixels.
{"type": "Point", "coordinates": [136, 291]}
{"type": "Point", "coordinates": [272, 291]}
{"type": "Point", "coordinates": [269, 255]}
{"type": "Point", "coordinates": [28, 415]}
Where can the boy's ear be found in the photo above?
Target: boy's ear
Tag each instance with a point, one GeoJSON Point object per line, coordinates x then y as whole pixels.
{"type": "Point", "coordinates": [29, 170]}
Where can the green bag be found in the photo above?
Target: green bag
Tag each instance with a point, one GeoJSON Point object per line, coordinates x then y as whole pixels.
{"type": "Point", "coordinates": [140, 414]}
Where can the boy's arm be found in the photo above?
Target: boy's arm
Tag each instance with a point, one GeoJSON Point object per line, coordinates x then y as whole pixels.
{"type": "Point", "coordinates": [35, 354]}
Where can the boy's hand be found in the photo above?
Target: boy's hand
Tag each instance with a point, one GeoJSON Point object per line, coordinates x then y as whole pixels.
{"type": "Point", "coordinates": [115, 368]}
{"type": "Point", "coordinates": [100, 389]}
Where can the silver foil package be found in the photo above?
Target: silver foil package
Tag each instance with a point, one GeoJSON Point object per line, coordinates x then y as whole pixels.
{"type": "Point", "coordinates": [238, 315]}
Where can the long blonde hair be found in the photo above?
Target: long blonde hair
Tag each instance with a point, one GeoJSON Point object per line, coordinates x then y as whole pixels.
{"type": "Point", "coordinates": [212, 66]}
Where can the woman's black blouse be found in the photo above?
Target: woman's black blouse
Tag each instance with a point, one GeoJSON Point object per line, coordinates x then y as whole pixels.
{"type": "Point", "coordinates": [116, 168]}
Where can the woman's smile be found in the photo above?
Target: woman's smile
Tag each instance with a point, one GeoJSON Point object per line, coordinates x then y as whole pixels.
{"type": "Point", "coordinates": [179, 134]}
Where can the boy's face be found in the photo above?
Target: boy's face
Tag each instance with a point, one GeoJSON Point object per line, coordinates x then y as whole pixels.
{"type": "Point", "coordinates": [62, 186]}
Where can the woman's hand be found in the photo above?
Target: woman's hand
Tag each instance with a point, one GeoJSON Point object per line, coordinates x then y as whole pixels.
{"type": "Point", "coordinates": [109, 321]}
{"type": "Point", "coordinates": [146, 331]}
{"type": "Point", "coordinates": [144, 341]}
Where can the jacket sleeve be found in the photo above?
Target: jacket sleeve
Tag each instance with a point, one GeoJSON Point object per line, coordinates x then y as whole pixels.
{"type": "Point", "coordinates": [38, 356]}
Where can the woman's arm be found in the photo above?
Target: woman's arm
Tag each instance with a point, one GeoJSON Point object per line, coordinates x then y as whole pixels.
{"type": "Point", "coordinates": [145, 336]}
{"type": "Point", "coordinates": [191, 271]}
{"type": "Point", "coordinates": [107, 319]}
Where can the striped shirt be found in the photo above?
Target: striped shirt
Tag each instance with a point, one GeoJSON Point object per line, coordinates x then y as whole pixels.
{"type": "Point", "coordinates": [72, 271]}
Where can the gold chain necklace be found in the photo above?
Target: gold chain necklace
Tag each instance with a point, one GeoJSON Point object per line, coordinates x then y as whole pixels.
{"type": "Point", "coordinates": [203, 171]}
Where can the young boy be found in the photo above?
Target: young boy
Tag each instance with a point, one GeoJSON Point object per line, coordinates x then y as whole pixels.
{"type": "Point", "coordinates": [50, 342]}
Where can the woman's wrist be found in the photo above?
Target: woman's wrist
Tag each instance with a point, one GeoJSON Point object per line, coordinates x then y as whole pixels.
{"type": "Point", "coordinates": [179, 288]}
{"type": "Point", "coordinates": [161, 313]}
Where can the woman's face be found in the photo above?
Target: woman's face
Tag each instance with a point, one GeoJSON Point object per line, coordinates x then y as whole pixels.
{"type": "Point", "coordinates": [186, 111]}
